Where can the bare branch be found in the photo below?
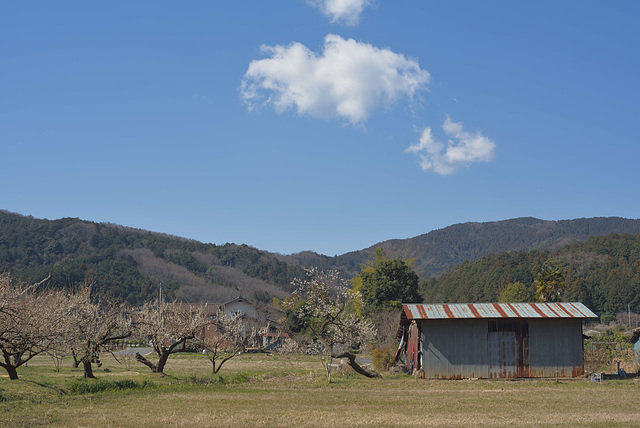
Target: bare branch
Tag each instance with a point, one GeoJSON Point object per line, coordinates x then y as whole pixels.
{"type": "Point", "coordinates": [168, 326]}
{"type": "Point", "coordinates": [31, 322]}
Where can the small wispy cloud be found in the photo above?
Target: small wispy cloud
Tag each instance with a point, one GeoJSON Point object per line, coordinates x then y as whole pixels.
{"type": "Point", "coordinates": [341, 11]}
{"type": "Point", "coordinates": [462, 149]}
{"type": "Point", "coordinates": [202, 98]}
{"type": "Point", "coordinates": [349, 79]}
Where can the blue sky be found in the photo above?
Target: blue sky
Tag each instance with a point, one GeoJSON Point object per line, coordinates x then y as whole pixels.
{"type": "Point", "coordinates": [295, 125]}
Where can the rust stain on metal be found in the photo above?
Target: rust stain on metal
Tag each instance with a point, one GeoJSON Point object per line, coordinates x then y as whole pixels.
{"type": "Point", "coordinates": [565, 311]}
{"type": "Point", "coordinates": [514, 310]}
{"type": "Point", "coordinates": [497, 310]}
{"type": "Point", "coordinates": [538, 310]}
{"type": "Point", "coordinates": [575, 308]}
{"type": "Point", "coordinates": [412, 347]}
{"type": "Point", "coordinates": [500, 310]}
{"type": "Point", "coordinates": [421, 311]}
{"type": "Point", "coordinates": [474, 311]}
{"type": "Point", "coordinates": [447, 310]}
{"type": "Point", "coordinates": [555, 311]}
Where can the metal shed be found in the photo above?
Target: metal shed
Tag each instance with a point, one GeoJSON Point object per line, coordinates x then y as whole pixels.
{"type": "Point", "coordinates": [494, 340]}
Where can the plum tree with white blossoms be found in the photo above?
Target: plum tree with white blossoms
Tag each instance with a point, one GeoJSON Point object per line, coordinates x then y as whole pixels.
{"type": "Point", "coordinates": [329, 312]}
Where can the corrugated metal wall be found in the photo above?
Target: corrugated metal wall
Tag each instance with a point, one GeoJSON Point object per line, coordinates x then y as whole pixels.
{"type": "Point", "coordinates": [413, 348]}
{"type": "Point", "coordinates": [556, 346]}
{"type": "Point", "coordinates": [507, 348]}
{"type": "Point", "coordinates": [454, 349]}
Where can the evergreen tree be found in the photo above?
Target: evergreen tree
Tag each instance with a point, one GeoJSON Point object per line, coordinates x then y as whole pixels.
{"type": "Point", "coordinates": [516, 292]}
{"type": "Point", "coordinates": [387, 283]}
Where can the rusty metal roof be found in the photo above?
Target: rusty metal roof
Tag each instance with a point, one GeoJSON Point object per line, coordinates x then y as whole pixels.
{"type": "Point", "coordinates": [496, 310]}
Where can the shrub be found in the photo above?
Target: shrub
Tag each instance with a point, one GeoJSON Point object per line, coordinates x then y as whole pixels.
{"type": "Point", "coordinates": [383, 359]}
{"type": "Point", "coordinates": [607, 318]}
{"type": "Point", "coordinates": [234, 378]}
{"type": "Point", "coordinates": [203, 380]}
{"type": "Point", "coordinates": [82, 386]}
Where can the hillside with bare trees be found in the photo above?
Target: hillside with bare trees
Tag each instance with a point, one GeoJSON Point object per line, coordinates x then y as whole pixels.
{"type": "Point", "coordinates": [125, 264]}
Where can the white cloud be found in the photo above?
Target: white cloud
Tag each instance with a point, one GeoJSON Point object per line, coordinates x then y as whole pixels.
{"type": "Point", "coordinates": [349, 79]}
{"type": "Point", "coordinates": [343, 11]}
{"type": "Point", "coordinates": [462, 149]}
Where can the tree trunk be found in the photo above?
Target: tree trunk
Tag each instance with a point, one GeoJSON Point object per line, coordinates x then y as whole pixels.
{"type": "Point", "coordinates": [155, 368]}
{"type": "Point", "coordinates": [146, 362]}
{"type": "Point", "coordinates": [216, 370]}
{"type": "Point", "coordinates": [162, 362]}
{"type": "Point", "coordinates": [12, 371]}
{"type": "Point", "coordinates": [76, 362]}
{"type": "Point", "coordinates": [355, 366]}
{"type": "Point", "coordinates": [9, 366]}
{"type": "Point", "coordinates": [88, 369]}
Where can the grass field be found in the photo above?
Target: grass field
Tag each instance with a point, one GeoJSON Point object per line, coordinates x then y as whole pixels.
{"type": "Point", "coordinates": [262, 390]}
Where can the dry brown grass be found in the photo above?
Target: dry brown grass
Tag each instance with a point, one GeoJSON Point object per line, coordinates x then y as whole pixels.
{"type": "Point", "coordinates": [290, 391]}
{"type": "Point", "coordinates": [387, 403]}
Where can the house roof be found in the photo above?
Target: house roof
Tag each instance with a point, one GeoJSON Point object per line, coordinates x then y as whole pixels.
{"type": "Point", "coordinates": [496, 310]}
{"type": "Point", "coordinates": [237, 299]}
{"type": "Point", "coordinates": [210, 308]}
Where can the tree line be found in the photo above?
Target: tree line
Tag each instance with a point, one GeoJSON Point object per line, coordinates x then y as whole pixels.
{"type": "Point", "coordinates": [36, 319]}
{"type": "Point", "coordinates": [603, 273]}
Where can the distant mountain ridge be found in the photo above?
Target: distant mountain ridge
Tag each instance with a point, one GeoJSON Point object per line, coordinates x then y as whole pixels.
{"type": "Point", "coordinates": [130, 264]}
{"type": "Point", "coordinates": [437, 251]}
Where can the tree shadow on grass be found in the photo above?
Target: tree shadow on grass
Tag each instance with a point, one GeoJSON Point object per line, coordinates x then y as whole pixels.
{"type": "Point", "coordinates": [55, 388]}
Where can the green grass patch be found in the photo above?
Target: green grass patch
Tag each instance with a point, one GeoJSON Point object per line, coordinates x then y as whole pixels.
{"type": "Point", "coordinates": [84, 386]}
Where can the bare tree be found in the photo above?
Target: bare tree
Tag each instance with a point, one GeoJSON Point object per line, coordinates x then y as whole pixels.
{"type": "Point", "coordinates": [224, 339]}
{"type": "Point", "coordinates": [387, 321]}
{"type": "Point", "coordinates": [329, 311]}
{"type": "Point", "coordinates": [384, 353]}
{"type": "Point", "coordinates": [254, 333]}
{"type": "Point", "coordinates": [31, 322]}
{"type": "Point", "coordinates": [59, 352]}
{"type": "Point", "coordinates": [95, 325]}
{"type": "Point", "coordinates": [167, 327]}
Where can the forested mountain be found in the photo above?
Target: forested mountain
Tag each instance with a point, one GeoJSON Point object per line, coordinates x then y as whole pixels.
{"type": "Point", "coordinates": [130, 265]}
{"type": "Point", "coordinates": [437, 251]}
{"type": "Point", "coordinates": [603, 273]}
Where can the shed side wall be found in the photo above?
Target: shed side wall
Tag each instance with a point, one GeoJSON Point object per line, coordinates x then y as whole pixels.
{"type": "Point", "coordinates": [457, 349]}
{"type": "Point", "coordinates": [454, 349]}
{"type": "Point", "coordinates": [555, 345]}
